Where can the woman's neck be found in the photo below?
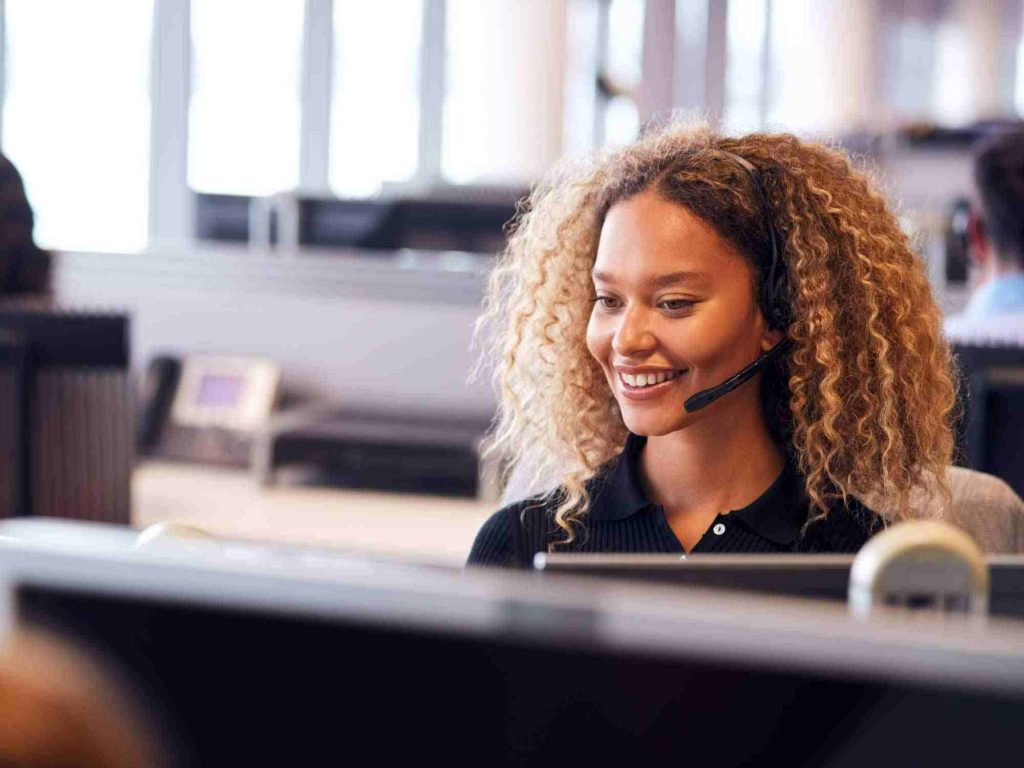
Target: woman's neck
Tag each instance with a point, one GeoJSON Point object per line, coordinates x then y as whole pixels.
{"type": "Point", "coordinates": [723, 462]}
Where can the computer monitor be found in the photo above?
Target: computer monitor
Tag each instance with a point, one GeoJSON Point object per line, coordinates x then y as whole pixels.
{"type": "Point", "coordinates": [339, 223]}
{"type": "Point", "coordinates": [989, 399]}
{"type": "Point", "coordinates": [470, 220]}
{"type": "Point", "coordinates": [819, 577]}
{"type": "Point", "coordinates": [224, 218]}
{"type": "Point", "coordinates": [994, 424]}
{"type": "Point", "coordinates": [474, 226]}
{"type": "Point", "coordinates": [251, 654]}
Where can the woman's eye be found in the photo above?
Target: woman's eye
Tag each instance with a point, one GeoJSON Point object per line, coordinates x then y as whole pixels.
{"type": "Point", "coordinates": [606, 302]}
{"type": "Point", "coordinates": [676, 305]}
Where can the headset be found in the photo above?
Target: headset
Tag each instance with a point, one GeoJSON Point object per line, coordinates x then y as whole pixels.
{"type": "Point", "coordinates": [774, 304]}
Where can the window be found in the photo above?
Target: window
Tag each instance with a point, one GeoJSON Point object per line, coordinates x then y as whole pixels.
{"type": "Point", "coordinates": [624, 67]}
{"type": "Point", "coordinates": [504, 71]}
{"type": "Point", "coordinates": [909, 51]}
{"type": "Point", "coordinates": [798, 94]}
{"type": "Point", "coordinates": [579, 122]}
{"type": "Point", "coordinates": [745, 65]}
{"type": "Point", "coordinates": [375, 107]}
{"type": "Point", "coordinates": [76, 118]}
{"type": "Point", "coordinates": [245, 109]}
{"type": "Point", "coordinates": [954, 78]}
{"type": "Point", "coordinates": [474, 53]}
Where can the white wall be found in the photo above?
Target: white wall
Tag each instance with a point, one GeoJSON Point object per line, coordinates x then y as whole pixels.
{"type": "Point", "coordinates": [363, 332]}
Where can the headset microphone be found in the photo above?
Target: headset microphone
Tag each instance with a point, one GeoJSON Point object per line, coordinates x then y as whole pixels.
{"type": "Point", "coordinates": [773, 302]}
{"type": "Point", "coordinates": [708, 396]}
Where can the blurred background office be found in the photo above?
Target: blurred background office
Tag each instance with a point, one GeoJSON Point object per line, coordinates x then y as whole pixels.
{"type": "Point", "coordinates": [294, 205]}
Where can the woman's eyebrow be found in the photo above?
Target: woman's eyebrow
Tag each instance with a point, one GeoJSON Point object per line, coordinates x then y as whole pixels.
{"type": "Point", "coordinates": [658, 281]}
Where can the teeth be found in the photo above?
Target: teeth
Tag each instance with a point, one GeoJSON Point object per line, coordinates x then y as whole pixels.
{"type": "Point", "coordinates": [647, 379]}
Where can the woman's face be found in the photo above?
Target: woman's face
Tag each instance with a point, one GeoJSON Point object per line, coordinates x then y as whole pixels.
{"type": "Point", "coordinates": [675, 313]}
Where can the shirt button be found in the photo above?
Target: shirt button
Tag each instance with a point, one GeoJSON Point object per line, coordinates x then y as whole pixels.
{"type": "Point", "coordinates": [719, 529]}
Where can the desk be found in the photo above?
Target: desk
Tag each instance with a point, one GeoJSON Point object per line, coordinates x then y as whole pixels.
{"type": "Point", "coordinates": [231, 503]}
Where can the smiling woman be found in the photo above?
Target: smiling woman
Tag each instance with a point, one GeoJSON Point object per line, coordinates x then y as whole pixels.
{"type": "Point", "coordinates": [638, 283]}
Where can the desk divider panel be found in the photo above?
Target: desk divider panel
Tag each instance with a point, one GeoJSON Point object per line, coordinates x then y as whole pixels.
{"type": "Point", "coordinates": [66, 437]}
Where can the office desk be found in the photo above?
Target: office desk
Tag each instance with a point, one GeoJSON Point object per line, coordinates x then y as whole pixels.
{"type": "Point", "coordinates": [231, 503]}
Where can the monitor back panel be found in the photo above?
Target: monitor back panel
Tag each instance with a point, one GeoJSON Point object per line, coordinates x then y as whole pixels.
{"type": "Point", "coordinates": [236, 687]}
{"type": "Point", "coordinates": [822, 577]}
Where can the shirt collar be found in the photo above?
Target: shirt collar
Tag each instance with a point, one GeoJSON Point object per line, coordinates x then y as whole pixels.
{"type": "Point", "coordinates": [778, 514]}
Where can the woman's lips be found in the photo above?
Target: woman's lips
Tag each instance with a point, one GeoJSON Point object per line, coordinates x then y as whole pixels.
{"type": "Point", "coordinates": [639, 394]}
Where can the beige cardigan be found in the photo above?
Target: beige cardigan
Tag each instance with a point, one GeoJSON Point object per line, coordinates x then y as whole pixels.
{"type": "Point", "coordinates": [983, 505]}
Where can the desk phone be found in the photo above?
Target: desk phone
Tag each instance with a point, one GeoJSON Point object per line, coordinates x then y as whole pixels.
{"type": "Point", "coordinates": [206, 408]}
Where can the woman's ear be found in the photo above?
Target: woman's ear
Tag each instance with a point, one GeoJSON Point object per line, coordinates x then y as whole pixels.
{"type": "Point", "coordinates": [771, 338]}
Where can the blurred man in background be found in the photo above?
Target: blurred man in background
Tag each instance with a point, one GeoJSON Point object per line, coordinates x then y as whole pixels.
{"type": "Point", "coordinates": [995, 230]}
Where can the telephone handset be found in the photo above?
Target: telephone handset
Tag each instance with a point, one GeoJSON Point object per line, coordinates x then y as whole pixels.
{"type": "Point", "coordinates": [206, 407]}
{"type": "Point", "coordinates": [158, 388]}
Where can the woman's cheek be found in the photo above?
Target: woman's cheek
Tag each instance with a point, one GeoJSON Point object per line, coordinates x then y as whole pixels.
{"type": "Point", "coordinates": [715, 350]}
{"type": "Point", "coordinates": [696, 340]}
{"type": "Point", "coordinates": [597, 341]}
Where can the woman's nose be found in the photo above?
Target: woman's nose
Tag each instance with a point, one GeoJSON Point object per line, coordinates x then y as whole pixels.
{"type": "Point", "coordinates": [633, 336]}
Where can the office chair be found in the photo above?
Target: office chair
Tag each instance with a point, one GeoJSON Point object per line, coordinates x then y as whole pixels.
{"type": "Point", "coordinates": [983, 506]}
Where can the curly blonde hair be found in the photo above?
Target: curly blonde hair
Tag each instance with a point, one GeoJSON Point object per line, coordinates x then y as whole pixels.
{"type": "Point", "coordinates": [862, 401]}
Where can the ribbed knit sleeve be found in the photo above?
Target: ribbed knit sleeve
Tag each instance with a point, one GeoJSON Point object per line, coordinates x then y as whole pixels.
{"type": "Point", "coordinates": [495, 541]}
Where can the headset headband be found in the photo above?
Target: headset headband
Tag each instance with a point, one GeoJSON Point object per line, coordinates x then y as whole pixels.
{"type": "Point", "coordinates": [773, 296]}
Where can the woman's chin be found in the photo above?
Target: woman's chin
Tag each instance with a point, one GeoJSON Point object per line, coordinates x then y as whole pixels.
{"type": "Point", "coordinates": [654, 424]}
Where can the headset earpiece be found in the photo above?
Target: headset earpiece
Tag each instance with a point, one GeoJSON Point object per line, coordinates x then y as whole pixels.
{"type": "Point", "coordinates": [773, 296]}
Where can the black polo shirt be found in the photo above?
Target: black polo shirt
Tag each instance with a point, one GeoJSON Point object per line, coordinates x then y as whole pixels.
{"type": "Point", "coordinates": [622, 519]}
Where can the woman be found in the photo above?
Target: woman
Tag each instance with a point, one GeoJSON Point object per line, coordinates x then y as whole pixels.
{"type": "Point", "coordinates": [635, 289]}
